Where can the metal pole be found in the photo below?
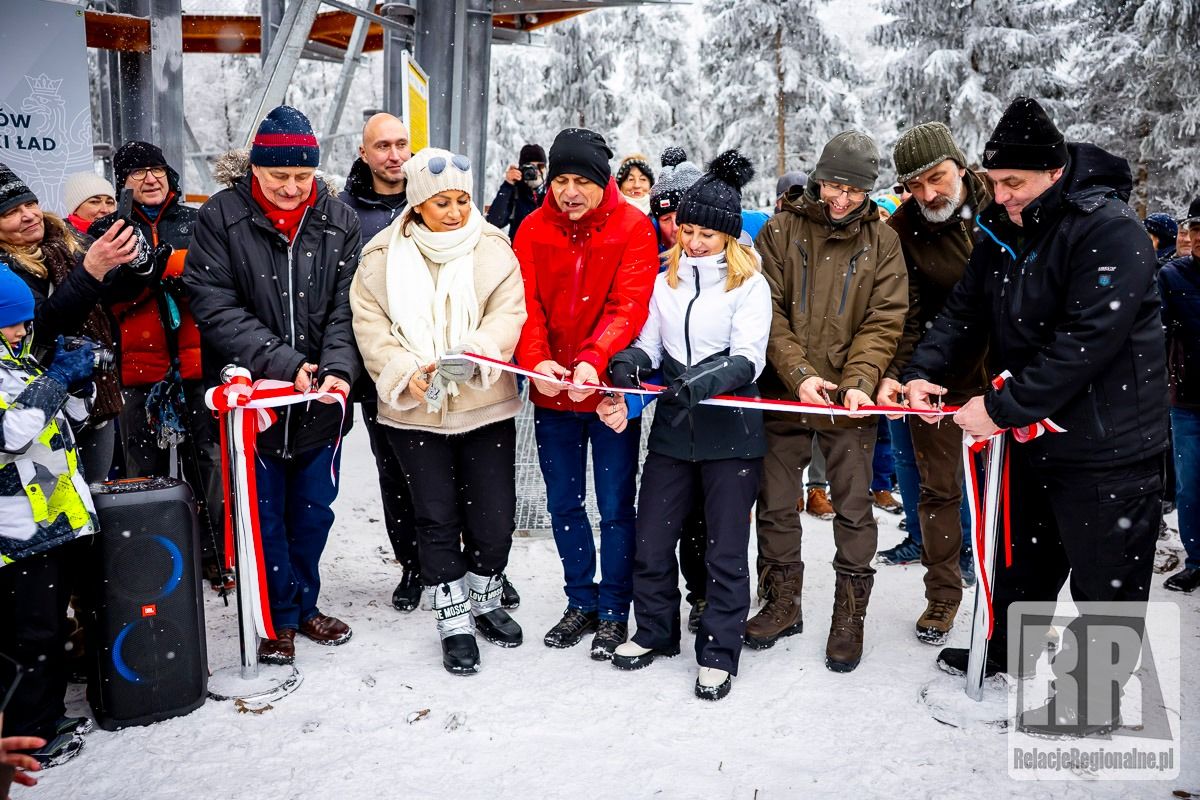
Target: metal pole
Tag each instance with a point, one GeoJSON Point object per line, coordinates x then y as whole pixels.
{"type": "Point", "coordinates": [395, 41]}
{"type": "Point", "coordinates": [272, 15]}
{"type": "Point", "coordinates": [993, 473]}
{"type": "Point", "coordinates": [281, 62]}
{"type": "Point", "coordinates": [474, 97]}
{"type": "Point", "coordinates": [349, 66]}
{"type": "Point", "coordinates": [435, 52]}
{"type": "Point", "coordinates": [150, 85]}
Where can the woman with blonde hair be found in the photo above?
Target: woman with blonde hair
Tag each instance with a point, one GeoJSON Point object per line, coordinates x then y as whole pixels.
{"type": "Point", "coordinates": [710, 317]}
{"type": "Point", "coordinates": [436, 282]}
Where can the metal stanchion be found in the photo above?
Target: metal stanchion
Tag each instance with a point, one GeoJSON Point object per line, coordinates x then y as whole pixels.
{"type": "Point", "coordinates": [993, 474]}
{"type": "Point", "coordinates": [249, 682]}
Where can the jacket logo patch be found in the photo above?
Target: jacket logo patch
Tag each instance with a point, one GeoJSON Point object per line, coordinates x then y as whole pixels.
{"type": "Point", "coordinates": [1104, 276]}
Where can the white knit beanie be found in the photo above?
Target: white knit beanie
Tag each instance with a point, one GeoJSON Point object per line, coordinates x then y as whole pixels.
{"type": "Point", "coordinates": [432, 171]}
{"type": "Point", "coordinates": [82, 185]}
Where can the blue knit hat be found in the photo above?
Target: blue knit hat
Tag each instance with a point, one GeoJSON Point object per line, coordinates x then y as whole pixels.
{"type": "Point", "coordinates": [285, 139]}
{"type": "Point", "coordinates": [16, 301]}
{"type": "Point", "coordinates": [1163, 226]}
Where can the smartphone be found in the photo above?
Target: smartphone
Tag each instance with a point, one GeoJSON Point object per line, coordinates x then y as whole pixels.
{"type": "Point", "coordinates": [125, 206]}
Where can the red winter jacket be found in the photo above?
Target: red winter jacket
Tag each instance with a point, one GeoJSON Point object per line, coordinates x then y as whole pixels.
{"type": "Point", "coordinates": [587, 286]}
{"type": "Point", "coordinates": [144, 358]}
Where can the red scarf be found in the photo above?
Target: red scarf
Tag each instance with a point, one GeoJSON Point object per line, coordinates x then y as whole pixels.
{"type": "Point", "coordinates": [286, 222]}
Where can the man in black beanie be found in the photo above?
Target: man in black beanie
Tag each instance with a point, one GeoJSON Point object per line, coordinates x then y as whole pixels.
{"type": "Point", "coordinates": [589, 260]}
{"type": "Point", "coordinates": [1062, 287]}
{"type": "Point", "coordinates": [523, 190]}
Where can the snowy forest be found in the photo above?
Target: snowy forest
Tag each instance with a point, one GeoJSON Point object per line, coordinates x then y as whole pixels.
{"type": "Point", "coordinates": [778, 78]}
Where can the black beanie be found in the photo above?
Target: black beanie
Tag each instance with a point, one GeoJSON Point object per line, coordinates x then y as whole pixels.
{"type": "Point", "coordinates": [136, 155]}
{"type": "Point", "coordinates": [532, 153]}
{"type": "Point", "coordinates": [715, 201]}
{"type": "Point", "coordinates": [13, 190]}
{"type": "Point", "coordinates": [578, 151]}
{"type": "Point", "coordinates": [1025, 138]}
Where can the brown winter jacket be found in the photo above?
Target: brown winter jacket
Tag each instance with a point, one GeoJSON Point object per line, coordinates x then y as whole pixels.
{"type": "Point", "coordinates": [840, 296]}
{"type": "Point", "coordinates": [491, 396]}
{"type": "Point", "coordinates": [936, 255]}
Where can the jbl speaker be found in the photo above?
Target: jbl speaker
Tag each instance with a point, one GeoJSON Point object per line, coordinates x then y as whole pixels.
{"type": "Point", "coordinates": [148, 658]}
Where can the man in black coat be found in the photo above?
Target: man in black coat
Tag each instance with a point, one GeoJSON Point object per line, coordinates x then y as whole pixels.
{"type": "Point", "coordinates": [517, 197]}
{"type": "Point", "coordinates": [269, 274]}
{"type": "Point", "coordinates": [375, 190]}
{"type": "Point", "coordinates": [159, 335]}
{"type": "Point", "coordinates": [1062, 286]}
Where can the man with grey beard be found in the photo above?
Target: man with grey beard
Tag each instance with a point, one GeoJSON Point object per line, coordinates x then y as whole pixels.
{"type": "Point", "coordinates": [937, 234]}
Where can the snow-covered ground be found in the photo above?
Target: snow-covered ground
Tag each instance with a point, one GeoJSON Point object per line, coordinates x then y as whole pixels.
{"type": "Point", "coordinates": [552, 723]}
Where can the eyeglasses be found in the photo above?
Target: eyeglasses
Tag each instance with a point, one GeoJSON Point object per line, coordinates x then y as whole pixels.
{"type": "Point", "coordinates": [437, 164]}
{"type": "Point", "coordinates": [141, 173]}
{"type": "Point", "coordinates": [835, 189]}
{"type": "Point", "coordinates": [899, 189]}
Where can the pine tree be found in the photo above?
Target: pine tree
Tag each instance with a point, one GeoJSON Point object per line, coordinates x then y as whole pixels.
{"type": "Point", "coordinates": [961, 63]}
{"type": "Point", "coordinates": [658, 83]}
{"type": "Point", "coordinates": [779, 86]}
{"type": "Point", "coordinates": [1142, 74]}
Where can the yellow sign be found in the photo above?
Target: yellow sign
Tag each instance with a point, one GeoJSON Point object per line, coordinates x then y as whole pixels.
{"type": "Point", "coordinates": [416, 102]}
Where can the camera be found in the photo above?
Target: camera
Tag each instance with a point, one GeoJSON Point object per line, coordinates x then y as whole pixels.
{"type": "Point", "coordinates": [103, 359]}
{"type": "Point", "coordinates": [531, 175]}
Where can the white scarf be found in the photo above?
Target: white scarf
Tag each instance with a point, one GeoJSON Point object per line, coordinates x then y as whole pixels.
{"type": "Point", "coordinates": [642, 203]}
{"type": "Point", "coordinates": [429, 318]}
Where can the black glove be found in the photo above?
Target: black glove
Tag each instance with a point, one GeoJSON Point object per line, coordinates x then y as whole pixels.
{"type": "Point", "coordinates": [709, 378]}
{"type": "Point", "coordinates": [626, 367]}
{"type": "Point", "coordinates": [72, 368]}
{"type": "Point", "coordinates": [159, 258]}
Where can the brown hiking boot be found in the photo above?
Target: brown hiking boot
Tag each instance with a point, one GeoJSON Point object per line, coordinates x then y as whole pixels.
{"type": "Point", "coordinates": [818, 504]}
{"type": "Point", "coordinates": [326, 630]}
{"type": "Point", "coordinates": [278, 651]}
{"type": "Point", "coordinates": [886, 501]}
{"type": "Point", "coordinates": [844, 649]}
{"type": "Point", "coordinates": [934, 625]}
{"type": "Point", "coordinates": [780, 587]}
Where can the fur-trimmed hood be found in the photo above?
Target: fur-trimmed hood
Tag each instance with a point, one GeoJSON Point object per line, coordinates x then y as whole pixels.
{"type": "Point", "coordinates": [231, 165]}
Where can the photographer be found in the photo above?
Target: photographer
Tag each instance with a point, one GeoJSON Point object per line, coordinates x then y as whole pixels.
{"type": "Point", "coordinates": [39, 528]}
{"type": "Point", "coordinates": [523, 190]}
{"type": "Point", "coordinates": [69, 278]}
{"type": "Point", "coordinates": [144, 314]}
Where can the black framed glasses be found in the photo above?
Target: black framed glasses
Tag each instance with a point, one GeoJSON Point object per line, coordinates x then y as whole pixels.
{"type": "Point", "coordinates": [140, 173]}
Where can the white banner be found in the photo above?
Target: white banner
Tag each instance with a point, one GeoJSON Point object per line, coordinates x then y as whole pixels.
{"type": "Point", "coordinates": [45, 105]}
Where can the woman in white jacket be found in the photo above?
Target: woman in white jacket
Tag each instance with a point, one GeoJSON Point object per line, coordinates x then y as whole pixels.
{"type": "Point", "coordinates": [710, 317]}
{"type": "Point", "coordinates": [439, 281]}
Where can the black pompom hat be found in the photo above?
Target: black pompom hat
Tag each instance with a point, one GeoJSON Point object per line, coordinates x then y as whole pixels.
{"type": "Point", "coordinates": [715, 201]}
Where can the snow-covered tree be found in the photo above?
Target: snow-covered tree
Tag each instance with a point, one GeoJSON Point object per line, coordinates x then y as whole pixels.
{"type": "Point", "coordinates": [658, 83]}
{"type": "Point", "coordinates": [961, 63]}
{"type": "Point", "coordinates": [778, 86]}
{"type": "Point", "coordinates": [1141, 68]}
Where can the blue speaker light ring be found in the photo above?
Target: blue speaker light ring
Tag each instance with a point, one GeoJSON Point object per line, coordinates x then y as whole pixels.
{"type": "Point", "coordinates": [176, 566]}
{"type": "Point", "coordinates": [123, 669]}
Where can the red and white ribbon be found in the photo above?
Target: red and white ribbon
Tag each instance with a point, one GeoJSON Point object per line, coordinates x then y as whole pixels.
{"type": "Point", "coordinates": [237, 397]}
{"type": "Point", "coordinates": [983, 503]}
{"type": "Point", "coordinates": [725, 401]}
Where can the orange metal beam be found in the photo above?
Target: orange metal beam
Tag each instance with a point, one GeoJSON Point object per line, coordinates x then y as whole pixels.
{"type": "Point", "coordinates": [242, 34]}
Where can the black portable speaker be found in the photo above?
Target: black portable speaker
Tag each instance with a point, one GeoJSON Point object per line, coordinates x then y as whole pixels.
{"type": "Point", "coordinates": [148, 658]}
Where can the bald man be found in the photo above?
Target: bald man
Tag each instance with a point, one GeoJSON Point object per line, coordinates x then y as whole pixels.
{"type": "Point", "coordinates": [375, 187]}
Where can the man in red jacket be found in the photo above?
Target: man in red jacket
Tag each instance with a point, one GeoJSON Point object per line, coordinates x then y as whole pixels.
{"type": "Point", "coordinates": [589, 260]}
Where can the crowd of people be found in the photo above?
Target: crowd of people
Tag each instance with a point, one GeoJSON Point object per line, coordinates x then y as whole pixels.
{"type": "Point", "coordinates": [1023, 260]}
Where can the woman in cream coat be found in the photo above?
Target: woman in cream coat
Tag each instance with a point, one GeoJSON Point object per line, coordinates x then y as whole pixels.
{"type": "Point", "coordinates": [436, 282]}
